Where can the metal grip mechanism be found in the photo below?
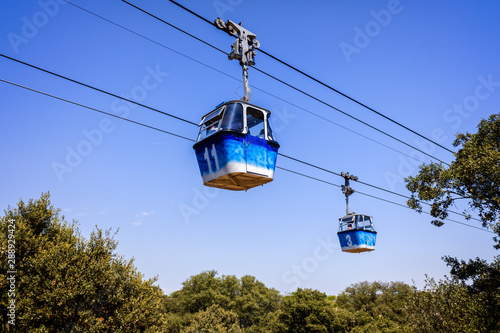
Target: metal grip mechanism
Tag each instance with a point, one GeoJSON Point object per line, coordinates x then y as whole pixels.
{"type": "Point", "coordinates": [347, 189]}
{"type": "Point", "coordinates": [243, 49]}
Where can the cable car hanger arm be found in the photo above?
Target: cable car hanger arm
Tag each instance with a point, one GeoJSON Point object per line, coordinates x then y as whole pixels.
{"type": "Point", "coordinates": [243, 49]}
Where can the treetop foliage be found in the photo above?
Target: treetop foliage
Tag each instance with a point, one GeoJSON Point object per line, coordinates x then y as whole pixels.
{"type": "Point", "coordinates": [66, 283]}
{"type": "Point", "coordinates": [474, 176]}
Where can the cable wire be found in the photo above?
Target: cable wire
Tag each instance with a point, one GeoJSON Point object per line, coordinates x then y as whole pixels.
{"type": "Point", "coordinates": [191, 140]}
{"type": "Point", "coordinates": [215, 69]}
{"type": "Point", "coordinates": [96, 110]}
{"type": "Point", "coordinates": [378, 198]}
{"type": "Point", "coordinates": [350, 116]}
{"type": "Point", "coordinates": [97, 89]}
{"type": "Point", "coordinates": [388, 201]}
{"type": "Point", "coordinates": [192, 123]}
{"type": "Point", "coordinates": [364, 183]}
{"type": "Point", "coordinates": [173, 26]}
{"type": "Point", "coordinates": [237, 79]}
{"type": "Point", "coordinates": [323, 84]}
{"type": "Point", "coordinates": [289, 85]}
{"type": "Point", "coordinates": [356, 101]}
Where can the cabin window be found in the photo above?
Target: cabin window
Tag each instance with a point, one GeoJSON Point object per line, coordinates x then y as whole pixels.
{"type": "Point", "coordinates": [356, 222]}
{"type": "Point", "coordinates": [255, 123]}
{"type": "Point", "coordinates": [233, 118]}
{"type": "Point", "coordinates": [346, 223]}
{"type": "Point", "coordinates": [210, 124]}
{"type": "Point", "coordinates": [208, 129]}
{"type": "Point", "coordinates": [368, 223]}
{"type": "Point", "coordinates": [360, 222]}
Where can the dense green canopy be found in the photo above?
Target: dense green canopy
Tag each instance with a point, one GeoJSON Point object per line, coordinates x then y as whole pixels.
{"type": "Point", "coordinates": [66, 283]}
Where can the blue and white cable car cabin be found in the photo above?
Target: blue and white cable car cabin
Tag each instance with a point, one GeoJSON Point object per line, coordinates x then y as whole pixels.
{"type": "Point", "coordinates": [356, 233]}
{"type": "Point", "coordinates": [235, 147]}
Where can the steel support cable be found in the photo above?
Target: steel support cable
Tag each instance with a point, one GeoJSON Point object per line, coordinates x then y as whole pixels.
{"type": "Point", "coordinates": [378, 198]}
{"type": "Point", "coordinates": [338, 174]}
{"type": "Point", "coordinates": [366, 184]}
{"type": "Point", "coordinates": [357, 102]}
{"type": "Point", "coordinates": [289, 85]}
{"type": "Point", "coordinates": [173, 26]}
{"type": "Point", "coordinates": [176, 117]}
{"type": "Point", "coordinates": [96, 110]}
{"type": "Point", "coordinates": [179, 118]}
{"type": "Point", "coordinates": [324, 84]}
{"type": "Point", "coordinates": [346, 114]}
{"type": "Point", "coordinates": [379, 188]}
{"type": "Point", "coordinates": [191, 140]}
{"type": "Point", "coordinates": [149, 39]}
{"type": "Point", "coordinates": [97, 89]}
{"type": "Point", "coordinates": [237, 79]}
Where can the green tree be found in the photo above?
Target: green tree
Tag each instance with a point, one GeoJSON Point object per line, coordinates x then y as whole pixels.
{"type": "Point", "coordinates": [254, 300]}
{"type": "Point", "coordinates": [482, 281]}
{"type": "Point", "coordinates": [447, 306]}
{"type": "Point", "coordinates": [309, 310]}
{"type": "Point", "coordinates": [200, 292]}
{"type": "Point", "coordinates": [214, 320]}
{"type": "Point", "coordinates": [473, 176]}
{"type": "Point", "coordinates": [248, 298]}
{"type": "Point", "coordinates": [65, 283]}
{"type": "Point", "coordinates": [377, 306]}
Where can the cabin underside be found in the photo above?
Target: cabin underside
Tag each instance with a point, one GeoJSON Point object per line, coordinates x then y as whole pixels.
{"type": "Point", "coordinates": [358, 249]}
{"type": "Point", "coordinates": [238, 181]}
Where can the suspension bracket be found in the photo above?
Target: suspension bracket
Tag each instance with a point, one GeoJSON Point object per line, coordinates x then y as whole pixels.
{"type": "Point", "coordinates": [243, 49]}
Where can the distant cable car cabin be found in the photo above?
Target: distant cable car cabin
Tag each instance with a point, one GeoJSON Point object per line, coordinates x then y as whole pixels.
{"type": "Point", "coordinates": [235, 147]}
{"type": "Point", "coordinates": [356, 233]}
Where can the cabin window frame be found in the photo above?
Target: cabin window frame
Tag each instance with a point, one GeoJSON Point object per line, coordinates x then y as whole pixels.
{"type": "Point", "coordinates": [212, 118]}
{"type": "Point", "coordinates": [256, 113]}
{"type": "Point", "coordinates": [356, 222]}
{"type": "Point", "coordinates": [218, 116]}
{"type": "Point", "coordinates": [227, 112]}
{"type": "Point", "coordinates": [345, 224]}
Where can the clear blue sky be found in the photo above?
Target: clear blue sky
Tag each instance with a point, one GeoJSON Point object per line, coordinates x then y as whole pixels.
{"type": "Point", "coordinates": [432, 66]}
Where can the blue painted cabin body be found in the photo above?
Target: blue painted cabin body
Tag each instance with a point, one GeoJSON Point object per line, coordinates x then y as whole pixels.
{"type": "Point", "coordinates": [356, 233]}
{"type": "Point", "coordinates": [229, 155]}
